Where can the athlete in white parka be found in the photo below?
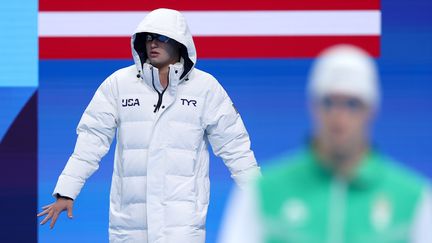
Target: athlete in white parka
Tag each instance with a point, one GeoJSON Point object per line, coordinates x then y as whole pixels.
{"type": "Point", "coordinates": [160, 184]}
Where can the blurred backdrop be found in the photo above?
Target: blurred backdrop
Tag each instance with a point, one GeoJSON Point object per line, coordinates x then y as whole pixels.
{"type": "Point", "coordinates": [260, 52]}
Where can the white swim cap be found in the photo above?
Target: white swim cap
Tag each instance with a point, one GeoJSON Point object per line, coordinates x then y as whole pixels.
{"type": "Point", "coordinates": [346, 70]}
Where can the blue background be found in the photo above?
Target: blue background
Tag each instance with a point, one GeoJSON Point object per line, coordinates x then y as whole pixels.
{"type": "Point", "coordinates": [270, 95]}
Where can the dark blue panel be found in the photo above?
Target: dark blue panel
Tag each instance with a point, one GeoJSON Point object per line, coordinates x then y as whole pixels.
{"type": "Point", "coordinates": [18, 181]}
{"type": "Point", "coordinates": [12, 100]}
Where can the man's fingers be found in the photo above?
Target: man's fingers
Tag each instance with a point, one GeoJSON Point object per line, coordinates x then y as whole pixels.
{"type": "Point", "coordinates": [43, 212]}
{"type": "Point", "coordinates": [47, 206]}
{"type": "Point", "coordinates": [54, 210]}
{"type": "Point", "coordinates": [47, 217]}
{"type": "Point", "coordinates": [54, 219]}
{"type": "Point", "coordinates": [69, 211]}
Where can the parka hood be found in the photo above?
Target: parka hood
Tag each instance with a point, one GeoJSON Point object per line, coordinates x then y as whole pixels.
{"type": "Point", "coordinates": [172, 24]}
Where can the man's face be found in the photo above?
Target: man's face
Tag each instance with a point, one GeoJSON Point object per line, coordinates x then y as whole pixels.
{"type": "Point", "coordinates": [342, 122]}
{"type": "Point", "coordinates": [161, 53]}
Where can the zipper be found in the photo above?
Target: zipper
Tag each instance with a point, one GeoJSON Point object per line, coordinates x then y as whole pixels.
{"type": "Point", "coordinates": [160, 94]}
{"type": "Point", "coordinates": [337, 210]}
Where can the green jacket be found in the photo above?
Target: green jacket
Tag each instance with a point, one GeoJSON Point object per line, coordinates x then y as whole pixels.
{"type": "Point", "coordinates": [300, 201]}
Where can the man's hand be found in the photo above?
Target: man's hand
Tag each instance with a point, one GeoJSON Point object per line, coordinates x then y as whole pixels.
{"type": "Point", "coordinates": [53, 210]}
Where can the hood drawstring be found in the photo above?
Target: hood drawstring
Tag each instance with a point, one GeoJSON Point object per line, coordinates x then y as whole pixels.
{"type": "Point", "coordinates": [160, 95]}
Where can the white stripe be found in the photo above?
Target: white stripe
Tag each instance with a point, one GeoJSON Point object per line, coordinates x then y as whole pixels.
{"type": "Point", "coordinates": [218, 23]}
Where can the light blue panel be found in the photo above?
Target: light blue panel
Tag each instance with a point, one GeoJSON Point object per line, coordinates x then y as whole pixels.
{"type": "Point", "coordinates": [18, 43]}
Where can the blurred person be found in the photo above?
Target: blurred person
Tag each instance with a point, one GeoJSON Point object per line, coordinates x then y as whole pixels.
{"type": "Point", "coordinates": [164, 113]}
{"type": "Point", "coordinates": [339, 188]}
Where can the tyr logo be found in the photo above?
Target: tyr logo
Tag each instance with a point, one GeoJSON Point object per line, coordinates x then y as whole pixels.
{"type": "Point", "coordinates": [188, 102]}
{"type": "Point", "coordinates": [130, 102]}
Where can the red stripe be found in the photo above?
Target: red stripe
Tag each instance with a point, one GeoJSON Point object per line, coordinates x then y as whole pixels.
{"type": "Point", "coordinates": [144, 5]}
{"type": "Point", "coordinates": [207, 47]}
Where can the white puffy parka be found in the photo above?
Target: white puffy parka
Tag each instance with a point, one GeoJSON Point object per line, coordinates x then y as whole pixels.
{"type": "Point", "coordinates": [160, 184]}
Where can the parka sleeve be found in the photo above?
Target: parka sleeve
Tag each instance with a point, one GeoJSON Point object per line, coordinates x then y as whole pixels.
{"type": "Point", "coordinates": [96, 130]}
{"type": "Point", "coordinates": [228, 137]}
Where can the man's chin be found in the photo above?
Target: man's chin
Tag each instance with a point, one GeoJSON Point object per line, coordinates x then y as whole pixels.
{"type": "Point", "coordinates": [339, 145]}
{"type": "Point", "coordinates": [155, 63]}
